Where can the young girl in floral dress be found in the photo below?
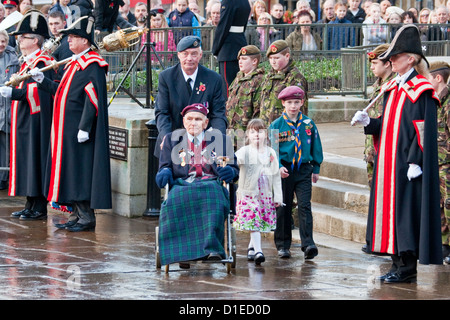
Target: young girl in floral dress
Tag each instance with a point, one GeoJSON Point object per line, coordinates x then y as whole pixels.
{"type": "Point", "coordinates": [259, 189]}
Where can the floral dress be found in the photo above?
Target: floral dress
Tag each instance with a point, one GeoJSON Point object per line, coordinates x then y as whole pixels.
{"type": "Point", "coordinates": [255, 210]}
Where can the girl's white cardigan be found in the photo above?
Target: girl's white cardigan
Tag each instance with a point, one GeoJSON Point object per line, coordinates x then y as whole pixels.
{"type": "Point", "coordinates": [251, 165]}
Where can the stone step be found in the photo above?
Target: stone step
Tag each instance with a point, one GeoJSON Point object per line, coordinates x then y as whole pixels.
{"type": "Point", "coordinates": [344, 168]}
{"type": "Point", "coordinates": [340, 194]}
{"type": "Point", "coordinates": [340, 223]}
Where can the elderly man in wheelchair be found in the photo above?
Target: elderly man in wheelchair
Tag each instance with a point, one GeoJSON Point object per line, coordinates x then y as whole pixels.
{"type": "Point", "coordinates": [195, 163]}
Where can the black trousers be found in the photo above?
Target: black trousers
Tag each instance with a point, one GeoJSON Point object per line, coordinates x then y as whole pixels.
{"type": "Point", "coordinates": [38, 204]}
{"type": "Point", "coordinates": [404, 264]}
{"type": "Point", "coordinates": [228, 71]}
{"type": "Point", "coordinates": [298, 182]}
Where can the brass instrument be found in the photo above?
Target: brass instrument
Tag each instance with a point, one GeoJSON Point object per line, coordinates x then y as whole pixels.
{"type": "Point", "coordinates": [122, 39]}
{"type": "Point", "coordinates": [16, 78]}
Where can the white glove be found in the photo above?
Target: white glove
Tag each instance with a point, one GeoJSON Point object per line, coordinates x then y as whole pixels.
{"type": "Point", "coordinates": [361, 117]}
{"type": "Point", "coordinates": [413, 171]}
{"type": "Point", "coordinates": [6, 92]}
{"type": "Point", "coordinates": [37, 75]}
{"type": "Point", "coordinates": [82, 136]}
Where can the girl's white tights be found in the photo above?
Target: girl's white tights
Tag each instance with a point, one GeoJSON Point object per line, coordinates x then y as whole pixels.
{"type": "Point", "coordinates": [255, 241]}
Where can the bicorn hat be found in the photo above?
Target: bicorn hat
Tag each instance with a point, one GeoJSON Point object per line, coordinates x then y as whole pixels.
{"type": "Point", "coordinates": [84, 28]}
{"type": "Point", "coordinates": [32, 22]}
{"type": "Point", "coordinates": [406, 40]}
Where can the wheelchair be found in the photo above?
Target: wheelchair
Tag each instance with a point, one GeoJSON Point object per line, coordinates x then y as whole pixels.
{"type": "Point", "coordinates": [229, 243]}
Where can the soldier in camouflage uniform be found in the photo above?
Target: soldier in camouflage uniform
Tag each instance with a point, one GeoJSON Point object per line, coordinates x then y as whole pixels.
{"type": "Point", "coordinates": [282, 74]}
{"type": "Point", "coordinates": [245, 88]}
{"type": "Point", "coordinates": [440, 72]}
{"type": "Point", "coordinates": [383, 71]}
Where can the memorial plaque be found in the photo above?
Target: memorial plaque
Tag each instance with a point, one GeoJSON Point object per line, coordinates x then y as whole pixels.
{"type": "Point", "coordinates": [118, 143]}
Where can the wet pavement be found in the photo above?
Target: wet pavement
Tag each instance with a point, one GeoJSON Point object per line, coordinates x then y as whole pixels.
{"type": "Point", "coordinates": [117, 262]}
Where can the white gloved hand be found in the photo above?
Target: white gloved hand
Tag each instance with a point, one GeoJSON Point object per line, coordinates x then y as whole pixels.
{"type": "Point", "coordinates": [361, 117]}
{"type": "Point", "coordinates": [37, 75]}
{"type": "Point", "coordinates": [82, 136]}
{"type": "Point", "coordinates": [413, 171]}
{"type": "Point", "coordinates": [6, 92]}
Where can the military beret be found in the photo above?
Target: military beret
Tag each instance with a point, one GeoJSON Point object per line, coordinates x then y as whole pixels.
{"type": "Point", "coordinates": [438, 65]}
{"type": "Point", "coordinates": [197, 107]}
{"type": "Point", "coordinates": [291, 92]}
{"type": "Point", "coordinates": [188, 42]}
{"type": "Point", "coordinates": [276, 47]}
{"type": "Point", "coordinates": [249, 50]}
{"type": "Point", "coordinates": [372, 55]}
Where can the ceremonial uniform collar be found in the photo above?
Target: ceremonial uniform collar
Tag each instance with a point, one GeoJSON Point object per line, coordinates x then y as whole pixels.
{"type": "Point", "coordinates": [192, 76]}
{"type": "Point", "coordinates": [29, 58]}
{"type": "Point", "coordinates": [402, 79]}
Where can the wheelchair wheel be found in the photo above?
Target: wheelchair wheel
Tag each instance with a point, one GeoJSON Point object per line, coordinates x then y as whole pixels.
{"type": "Point", "coordinates": [157, 257]}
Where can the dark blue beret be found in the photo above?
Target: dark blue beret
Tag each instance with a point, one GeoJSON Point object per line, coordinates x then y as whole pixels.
{"type": "Point", "coordinates": [188, 42]}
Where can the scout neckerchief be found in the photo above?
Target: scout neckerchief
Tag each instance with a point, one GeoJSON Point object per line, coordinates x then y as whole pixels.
{"type": "Point", "coordinates": [298, 142]}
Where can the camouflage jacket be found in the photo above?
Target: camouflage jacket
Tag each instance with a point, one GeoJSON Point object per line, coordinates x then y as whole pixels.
{"type": "Point", "coordinates": [243, 94]}
{"type": "Point", "coordinates": [270, 107]}
{"type": "Point", "coordinates": [374, 112]}
{"type": "Point", "coordinates": [444, 127]}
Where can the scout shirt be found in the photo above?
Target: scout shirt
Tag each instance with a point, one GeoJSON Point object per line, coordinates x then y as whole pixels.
{"type": "Point", "coordinates": [283, 136]}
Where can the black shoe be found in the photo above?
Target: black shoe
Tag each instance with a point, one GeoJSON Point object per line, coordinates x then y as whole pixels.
{"type": "Point", "coordinates": [33, 215]}
{"type": "Point", "coordinates": [447, 260]}
{"type": "Point", "coordinates": [311, 252]}
{"type": "Point", "coordinates": [17, 214]}
{"type": "Point", "coordinates": [259, 258]}
{"type": "Point", "coordinates": [383, 277]}
{"type": "Point", "coordinates": [77, 227]}
{"type": "Point", "coordinates": [284, 253]}
{"type": "Point", "coordinates": [399, 278]}
{"type": "Point", "coordinates": [67, 224]}
{"type": "Point", "coordinates": [445, 250]}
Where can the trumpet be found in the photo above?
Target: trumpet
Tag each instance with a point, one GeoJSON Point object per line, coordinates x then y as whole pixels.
{"type": "Point", "coordinates": [122, 39]}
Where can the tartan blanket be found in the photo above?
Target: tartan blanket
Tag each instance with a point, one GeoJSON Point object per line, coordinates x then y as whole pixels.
{"type": "Point", "coordinates": [191, 222]}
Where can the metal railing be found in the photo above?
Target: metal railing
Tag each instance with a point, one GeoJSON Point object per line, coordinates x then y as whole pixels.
{"type": "Point", "coordinates": [328, 72]}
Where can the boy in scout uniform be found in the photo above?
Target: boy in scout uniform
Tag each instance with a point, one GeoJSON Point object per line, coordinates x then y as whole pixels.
{"type": "Point", "coordinates": [440, 72]}
{"type": "Point", "coordinates": [300, 155]}
{"type": "Point", "coordinates": [282, 74]}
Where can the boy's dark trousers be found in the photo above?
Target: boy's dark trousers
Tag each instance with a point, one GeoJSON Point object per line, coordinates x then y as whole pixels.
{"type": "Point", "coordinates": [299, 181]}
